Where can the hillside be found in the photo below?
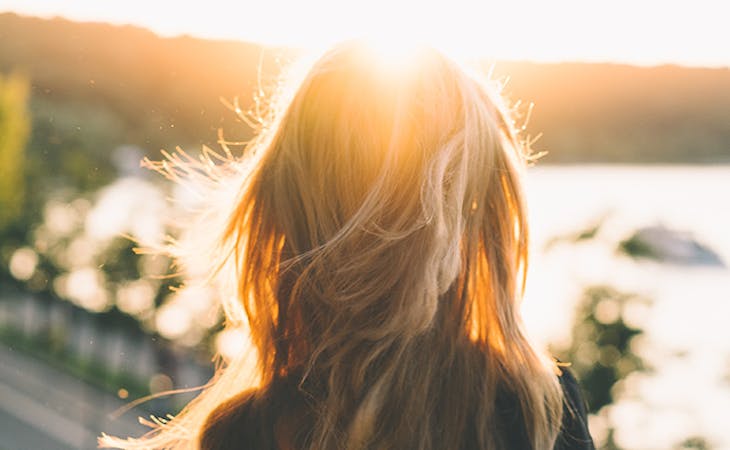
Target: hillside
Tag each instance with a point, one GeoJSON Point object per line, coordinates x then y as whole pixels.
{"type": "Point", "coordinates": [97, 86]}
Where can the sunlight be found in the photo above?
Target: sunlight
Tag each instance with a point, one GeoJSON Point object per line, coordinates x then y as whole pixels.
{"type": "Point", "coordinates": [23, 263]}
{"type": "Point", "coordinates": [392, 56]}
{"type": "Point", "coordinates": [521, 29]}
{"type": "Point", "coordinates": [232, 343]}
{"type": "Point", "coordinates": [393, 52]}
{"type": "Point", "coordinates": [136, 297]}
{"type": "Point", "coordinates": [85, 288]}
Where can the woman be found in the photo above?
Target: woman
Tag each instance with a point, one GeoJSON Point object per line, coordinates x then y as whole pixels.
{"type": "Point", "coordinates": [379, 245]}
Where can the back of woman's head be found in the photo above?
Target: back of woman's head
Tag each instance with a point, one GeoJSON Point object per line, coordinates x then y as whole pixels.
{"type": "Point", "coordinates": [378, 241]}
{"type": "Point", "coordinates": [377, 184]}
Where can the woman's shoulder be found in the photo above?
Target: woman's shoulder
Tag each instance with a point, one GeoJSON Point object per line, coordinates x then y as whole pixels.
{"type": "Point", "coordinates": [245, 420]}
{"type": "Point", "coordinates": [574, 434]}
{"type": "Point", "coordinates": [260, 419]}
{"type": "Point", "coordinates": [236, 421]}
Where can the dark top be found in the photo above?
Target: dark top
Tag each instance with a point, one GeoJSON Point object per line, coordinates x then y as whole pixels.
{"type": "Point", "coordinates": [574, 434]}
{"type": "Point", "coordinates": [245, 422]}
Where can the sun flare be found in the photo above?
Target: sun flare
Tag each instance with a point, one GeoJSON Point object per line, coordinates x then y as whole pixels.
{"type": "Point", "coordinates": [520, 29]}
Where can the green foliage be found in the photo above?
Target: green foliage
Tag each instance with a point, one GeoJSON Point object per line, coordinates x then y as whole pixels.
{"type": "Point", "coordinates": [637, 248]}
{"type": "Point", "coordinates": [573, 237]}
{"type": "Point", "coordinates": [694, 443]}
{"type": "Point", "coordinates": [71, 146]}
{"type": "Point", "coordinates": [600, 353]}
{"type": "Point", "coordinates": [14, 130]}
{"type": "Point", "coordinates": [118, 261]}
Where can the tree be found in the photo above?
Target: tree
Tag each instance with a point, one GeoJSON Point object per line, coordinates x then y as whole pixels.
{"type": "Point", "coordinates": [14, 131]}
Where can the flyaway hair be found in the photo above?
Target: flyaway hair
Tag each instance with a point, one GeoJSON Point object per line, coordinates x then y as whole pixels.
{"type": "Point", "coordinates": [375, 246]}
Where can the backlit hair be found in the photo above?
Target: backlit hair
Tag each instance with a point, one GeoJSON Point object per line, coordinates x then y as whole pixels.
{"type": "Point", "coordinates": [377, 239]}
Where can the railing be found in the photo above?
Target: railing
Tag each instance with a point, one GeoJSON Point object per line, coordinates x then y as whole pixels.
{"type": "Point", "coordinates": [79, 368]}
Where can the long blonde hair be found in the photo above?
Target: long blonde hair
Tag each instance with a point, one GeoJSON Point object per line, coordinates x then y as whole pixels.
{"type": "Point", "coordinates": [378, 241]}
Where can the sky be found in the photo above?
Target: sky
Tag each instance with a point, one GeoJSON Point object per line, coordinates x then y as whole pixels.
{"type": "Point", "coordinates": [645, 32]}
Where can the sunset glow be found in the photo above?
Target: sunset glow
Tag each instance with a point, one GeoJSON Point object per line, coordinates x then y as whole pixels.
{"type": "Point", "coordinates": [647, 32]}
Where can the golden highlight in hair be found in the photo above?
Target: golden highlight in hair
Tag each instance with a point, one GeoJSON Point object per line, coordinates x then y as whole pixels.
{"type": "Point", "coordinates": [377, 247]}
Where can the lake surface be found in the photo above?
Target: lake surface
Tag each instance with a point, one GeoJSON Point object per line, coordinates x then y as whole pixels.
{"type": "Point", "coordinates": [686, 323]}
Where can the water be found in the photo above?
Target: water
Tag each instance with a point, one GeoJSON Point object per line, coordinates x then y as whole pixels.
{"type": "Point", "coordinates": [687, 329]}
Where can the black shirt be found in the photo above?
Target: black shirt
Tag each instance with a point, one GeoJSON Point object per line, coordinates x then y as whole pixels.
{"type": "Point", "coordinates": [245, 422]}
{"type": "Point", "coordinates": [574, 434]}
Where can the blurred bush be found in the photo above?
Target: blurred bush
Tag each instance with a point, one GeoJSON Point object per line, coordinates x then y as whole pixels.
{"type": "Point", "coordinates": [601, 352]}
{"type": "Point", "coordinates": [14, 131]}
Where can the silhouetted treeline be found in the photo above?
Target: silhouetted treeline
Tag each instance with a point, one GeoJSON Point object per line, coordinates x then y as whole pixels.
{"type": "Point", "coordinates": [97, 86]}
{"type": "Point", "coordinates": [627, 114]}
